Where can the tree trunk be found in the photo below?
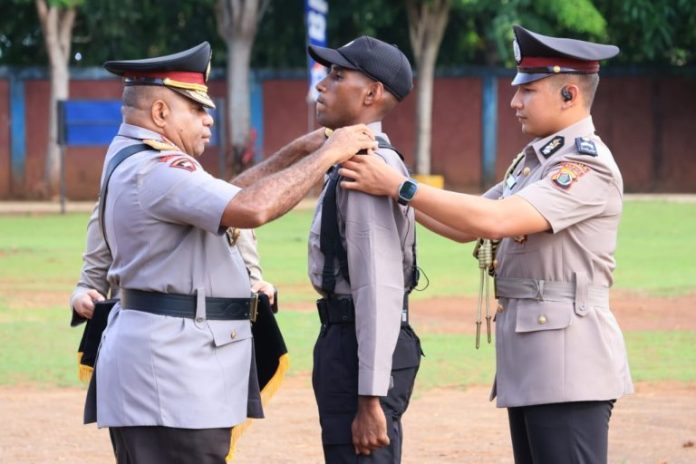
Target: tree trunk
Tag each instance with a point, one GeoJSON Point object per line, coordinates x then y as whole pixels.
{"type": "Point", "coordinates": [237, 22]}
{"type": "Point", "coordinates": [56, 25]}
{"type": "Point", "coordinates": [427, 23]}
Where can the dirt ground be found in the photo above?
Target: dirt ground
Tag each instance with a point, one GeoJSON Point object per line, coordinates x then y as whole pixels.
{"type": "Point", "coordinates": [657, 425]}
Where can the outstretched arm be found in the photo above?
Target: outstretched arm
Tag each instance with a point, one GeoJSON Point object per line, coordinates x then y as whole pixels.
{"type": "Point", "coordinates": [471, 215]}
{"type": "Point", "coordinates": [283, 158]}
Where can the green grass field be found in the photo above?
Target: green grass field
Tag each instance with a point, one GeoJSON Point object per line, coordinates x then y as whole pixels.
{"type": "Point", "coordinates": [40, 258]}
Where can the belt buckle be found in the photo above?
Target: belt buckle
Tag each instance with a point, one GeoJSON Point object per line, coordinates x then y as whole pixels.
{"type": "Point", "coordinates": [254, 307]}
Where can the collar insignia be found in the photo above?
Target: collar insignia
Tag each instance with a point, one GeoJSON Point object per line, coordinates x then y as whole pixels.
{"type": "Point", "coordinates": [553, 146]}
{"type": "Point", "coordinates": [585, 146]}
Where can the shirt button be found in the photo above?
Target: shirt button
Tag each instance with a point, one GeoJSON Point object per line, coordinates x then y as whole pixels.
{"type": "Point", "coordinates": [526, 171]}
{"type": "Point", "coordinates": [233, 335]}
{"type": "Point", "coordinates": [542, 319]}
{"type": "Point", "coordinates": [199, 319]}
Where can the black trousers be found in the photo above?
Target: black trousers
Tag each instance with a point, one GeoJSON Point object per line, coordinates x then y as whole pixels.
{"type": "Point", "coordinates": [335, 382]}
{"type": "Point", "coordinates": [167, 445]}
{"type": "Point", "coordinates": [567, 433]}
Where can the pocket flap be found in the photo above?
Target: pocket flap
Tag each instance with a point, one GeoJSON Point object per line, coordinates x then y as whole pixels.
{"type": "Point", "coordinates": [407, 352]}
{"type": "Point", "coordinates": [535, 316]}
{"type": "Point", "coordinates": [225, 332]}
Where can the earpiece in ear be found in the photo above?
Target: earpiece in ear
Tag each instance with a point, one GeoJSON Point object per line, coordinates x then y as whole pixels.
{"type": "Point", "coordinates": [566, 95]}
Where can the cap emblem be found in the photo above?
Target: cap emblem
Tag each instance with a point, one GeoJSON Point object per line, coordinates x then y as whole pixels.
{"type": "Point", "coordinates": [516, 51]}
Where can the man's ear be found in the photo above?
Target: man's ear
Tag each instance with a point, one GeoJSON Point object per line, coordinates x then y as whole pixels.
{"type": "Point", "coordinates": [569, 95]}
{"type": "Point", "coordinates": [375, 93]}
{"type": "Point", "coordinates": [159, 112]}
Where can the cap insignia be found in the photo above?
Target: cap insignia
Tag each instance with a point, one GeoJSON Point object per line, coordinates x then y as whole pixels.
{"type": "Point", "coordinates": [516, 51]}
{"type": "Point", "coordinates": [556, 69]}
{"type": "Point", "coordinates": [585, 146]}
{"type": "Point", "coordinates": [553, 146]}
{"type": "Point", "coordinates": [567, 174]}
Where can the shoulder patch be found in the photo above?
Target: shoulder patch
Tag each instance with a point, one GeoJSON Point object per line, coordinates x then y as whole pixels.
{"type": "Point", "coordinates": [553, 146]}
{"type": "Point", "coordinates": [178, 161]}
{"type": "Point", "coordinates": [568, 173]}
{"type": "Point", "coordinates": [159, 145]}
{"type": "Point", "coordinates": [585, 146]}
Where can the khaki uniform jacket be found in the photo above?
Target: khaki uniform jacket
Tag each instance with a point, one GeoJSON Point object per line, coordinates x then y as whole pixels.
{"type": "Point", "coordinates": [556, 337]}
{"type": "Point", "coordinates": [162, 221]}
{"type": "Point", "coordinates": [378, 235]}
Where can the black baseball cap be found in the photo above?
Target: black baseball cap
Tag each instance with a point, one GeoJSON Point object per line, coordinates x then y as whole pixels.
{"type": "Point", "coordinates": [378, 60]}
{"type": "Point", "coordinates": [539, 56]}
{"type": "Point", "coordinates": [185, 72]}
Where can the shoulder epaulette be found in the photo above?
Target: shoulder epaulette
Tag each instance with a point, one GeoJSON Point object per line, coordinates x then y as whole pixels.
{"type": "Point", "coordinates": [160, 145]}
{"type": "Point", "coordinates": [585, 146]}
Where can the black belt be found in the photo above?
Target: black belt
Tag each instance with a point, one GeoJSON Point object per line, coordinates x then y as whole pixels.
{"type": "Point", "coordinates": [172, 304]}
{"type": "Point", "coordinates": [342, 311]}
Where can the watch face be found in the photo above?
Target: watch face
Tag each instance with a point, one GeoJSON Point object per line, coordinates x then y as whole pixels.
{"type": "Point", "coordinates": [408, 190]}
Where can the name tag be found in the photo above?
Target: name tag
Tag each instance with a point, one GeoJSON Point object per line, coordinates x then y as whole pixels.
{"type": "Point", "coordinates": [511, 181]}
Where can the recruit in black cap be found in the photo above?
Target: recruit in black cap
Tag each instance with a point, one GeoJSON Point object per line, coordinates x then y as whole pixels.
{"type": "Point", "coordinates": [376, 59]}
{"type": "Point", "coordinates": [539, 56]}
{"type": "Point", "coordinates": [184, 72]}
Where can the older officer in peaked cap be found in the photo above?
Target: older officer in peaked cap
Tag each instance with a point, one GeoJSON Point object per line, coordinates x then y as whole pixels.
{"type": "Point", "coordinates": [561, 358]}
{"type": "Point", "coordinates": [173, 370]}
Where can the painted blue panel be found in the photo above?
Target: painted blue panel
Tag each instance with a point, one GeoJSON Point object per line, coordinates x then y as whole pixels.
{"type": "Point", "coordinates": [257, 116]}
{"type": "Point", "coordinates": [96, 122]}
{"type": "Point", "coordinates": [489, 125]}
{"type": "Point", "coordinates": [18, 147]}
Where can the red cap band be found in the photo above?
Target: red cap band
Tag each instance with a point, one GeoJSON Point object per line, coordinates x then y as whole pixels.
{"type": "Point", "coordinates": [568, 63]}
{"type": "Point", "coordinates": [181, 76]}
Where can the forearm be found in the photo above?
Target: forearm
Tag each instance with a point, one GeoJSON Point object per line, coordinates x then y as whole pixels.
{"type": "Point", "coordinates": [274, 195]}
{"type": "Point", "coordinates": [443, 230]}
{"type": "Point", "coordinates": [479, 217]}
{"type": "Point", "coordinates": [280, 160]}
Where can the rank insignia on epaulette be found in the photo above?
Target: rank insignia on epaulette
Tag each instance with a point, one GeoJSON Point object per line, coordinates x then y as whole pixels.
{"type": "Point", "coordinates": [160, 145]}
{"type": "Point", "coordinates": [585, 146]}
{"type": "Point", "coordinates": [553, 146]}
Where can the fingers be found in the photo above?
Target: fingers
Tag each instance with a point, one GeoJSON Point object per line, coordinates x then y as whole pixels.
{"type": "Point", "coordinates": [266, 288]}
{"type": "Point", "coordinates": [95, 296]}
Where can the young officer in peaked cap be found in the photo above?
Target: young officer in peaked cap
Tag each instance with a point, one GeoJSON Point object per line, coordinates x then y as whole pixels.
{"type": "Point", "coordinates": [175, 367]}
{"type": "Point", "coordinates": [561, 358]}
{"type": "Point", "coordinates": [362, 261]}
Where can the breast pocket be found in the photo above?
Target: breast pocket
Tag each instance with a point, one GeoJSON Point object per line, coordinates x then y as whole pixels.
{"type": "Point", "coordinates": [537, 316]}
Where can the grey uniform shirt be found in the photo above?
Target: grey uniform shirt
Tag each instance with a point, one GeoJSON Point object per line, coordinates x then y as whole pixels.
{"type": "Point", "coordinates": [162, 221]}
{"type": "Point", "coordinates": [378, 235]}
{"type": "Point", "coordinates": [551, 350]}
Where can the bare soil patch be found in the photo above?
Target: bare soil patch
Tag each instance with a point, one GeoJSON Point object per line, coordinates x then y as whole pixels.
{"type": "Point", "coordinates": [655, 425]}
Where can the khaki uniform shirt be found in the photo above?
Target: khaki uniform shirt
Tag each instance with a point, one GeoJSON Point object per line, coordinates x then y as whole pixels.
{"type": "Point", "coordinates": [554, 348]}
{"type": "Point", "coordinates": [378, 235]}
{"type": "Point", "coordinates": [162, 222]}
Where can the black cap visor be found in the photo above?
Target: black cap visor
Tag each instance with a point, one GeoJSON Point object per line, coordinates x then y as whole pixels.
{"type": "Point", "coordinates": [329, 56]}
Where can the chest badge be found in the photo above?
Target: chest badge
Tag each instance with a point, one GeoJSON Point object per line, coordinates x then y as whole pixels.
{"type": "Point", "coordinates": [553, 146]}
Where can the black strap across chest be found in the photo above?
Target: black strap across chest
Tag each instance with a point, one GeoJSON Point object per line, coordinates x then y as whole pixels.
{"type": "Point", "coordinates": [330, 242]}
{"type": "Point", "coordinates": [117, 159]}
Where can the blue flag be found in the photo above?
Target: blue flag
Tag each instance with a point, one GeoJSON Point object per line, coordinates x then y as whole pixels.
{"type": "Point", "coordinates": [315, 17]}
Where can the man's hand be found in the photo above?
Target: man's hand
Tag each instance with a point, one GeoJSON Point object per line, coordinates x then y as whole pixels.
{"type": "Point", "coordinates": [312, 141]}
{"type": "Point", "coordinates": [266, 288]}
{"type": "Point", "coordinates": [84, 305]}
{"type": "Point", "coordinates": [369, 426]}
{"type": "Point", "coordinates": [370, 174]}
{"type": "Point", "coordinates": [347, 141]}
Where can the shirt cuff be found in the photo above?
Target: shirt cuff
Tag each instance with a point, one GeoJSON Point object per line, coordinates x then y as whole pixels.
{"type": "Point", "coordinates": [373, 382]}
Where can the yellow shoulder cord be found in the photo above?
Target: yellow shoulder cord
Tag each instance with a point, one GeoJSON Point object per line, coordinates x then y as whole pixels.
{"type": "Point", "coordinates": [485, 252]}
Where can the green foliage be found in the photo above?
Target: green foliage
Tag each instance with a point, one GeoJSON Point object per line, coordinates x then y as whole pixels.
{"type": "Point", "coordinates": [656, 356]}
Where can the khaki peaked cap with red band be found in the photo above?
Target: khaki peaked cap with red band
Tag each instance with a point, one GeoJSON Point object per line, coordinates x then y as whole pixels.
{"type": "Point", "coordinates": [184, 72]}
{"type": "Point", "coordinates": [539, 56]}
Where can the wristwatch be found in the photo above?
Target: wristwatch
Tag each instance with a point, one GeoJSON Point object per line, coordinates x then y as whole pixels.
{"type": "Point", "coordinates": [406, 191]}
